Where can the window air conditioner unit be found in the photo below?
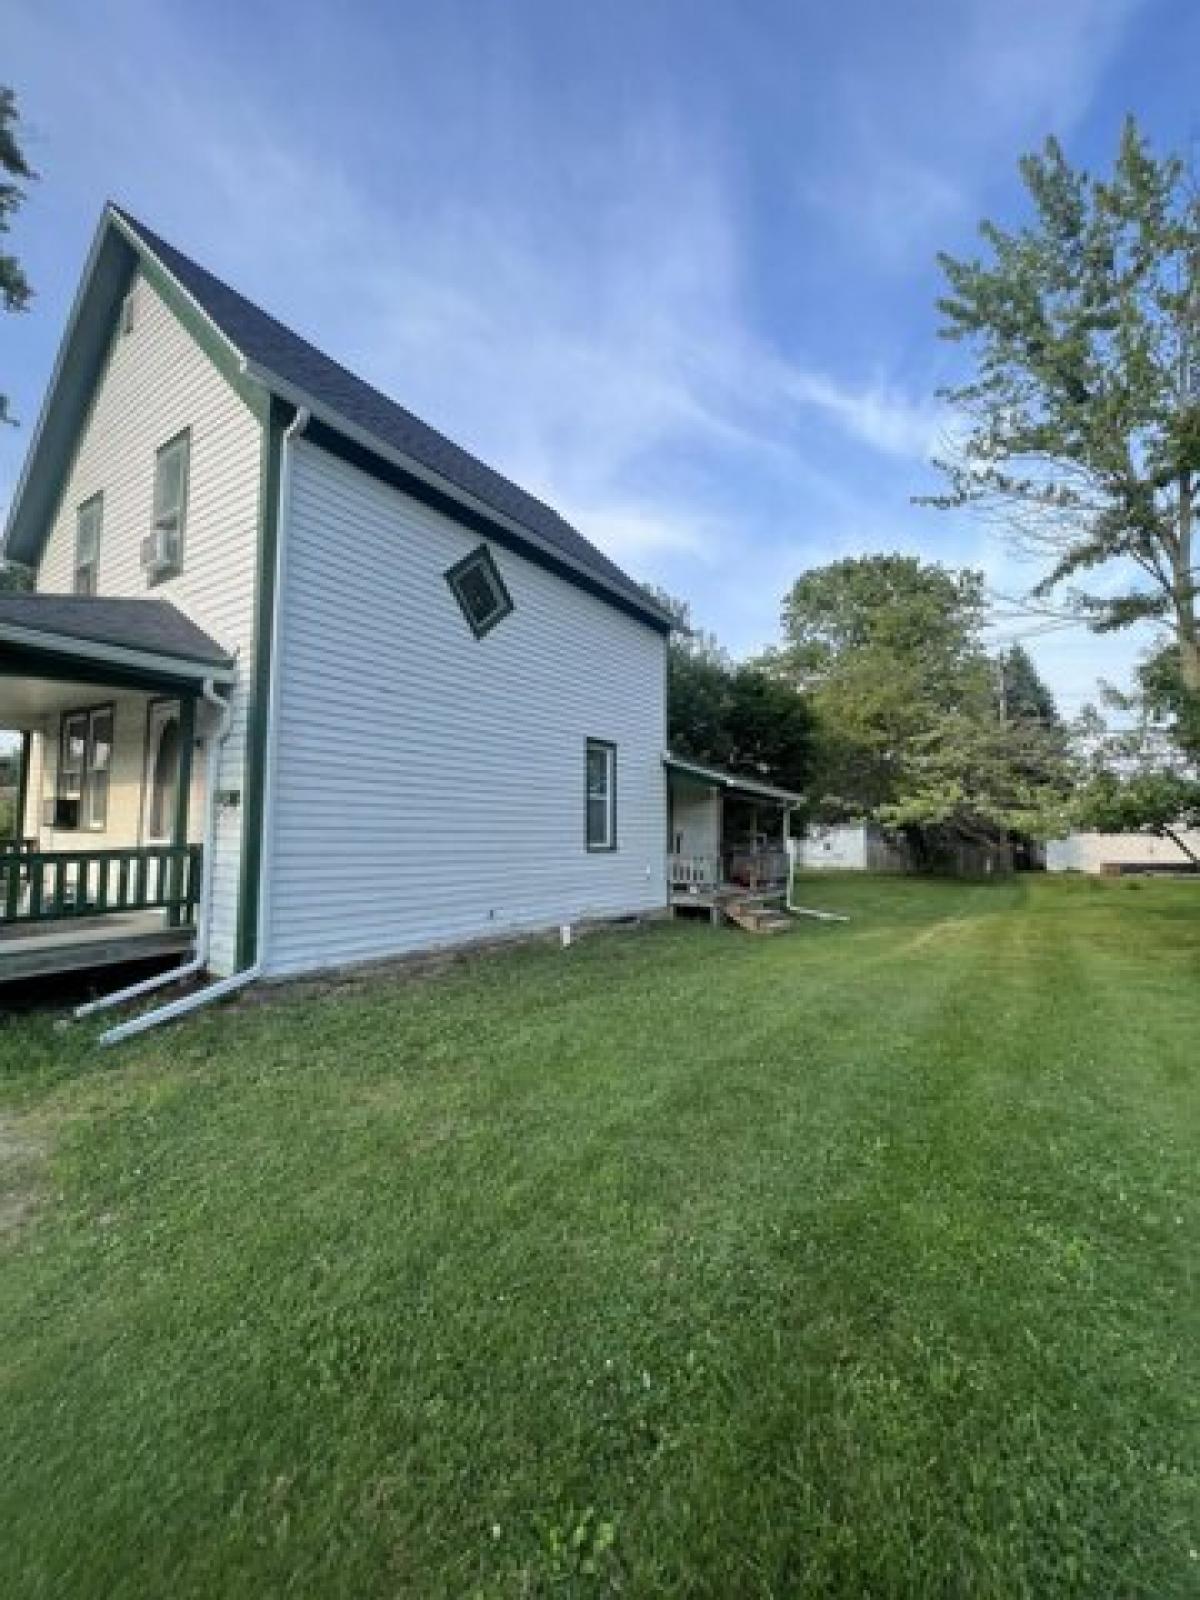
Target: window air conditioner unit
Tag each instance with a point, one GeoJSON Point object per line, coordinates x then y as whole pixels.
{"type": "Point", "coordinates": [158, 552]}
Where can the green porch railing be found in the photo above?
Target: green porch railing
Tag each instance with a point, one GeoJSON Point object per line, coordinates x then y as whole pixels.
{"type": "Point", "coordinates": [55, 885]}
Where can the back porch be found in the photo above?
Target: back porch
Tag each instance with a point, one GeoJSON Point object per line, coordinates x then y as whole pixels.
{"type": "Point", "coordinates": [727, 842]}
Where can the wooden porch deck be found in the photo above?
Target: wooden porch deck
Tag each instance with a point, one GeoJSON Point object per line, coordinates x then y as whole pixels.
{"type": "Point", "coordinates": [719, 884]}
{"type": "Point", "coordinates": [70, 910]}
{"type": "Point", "coordinates": [37, 950]}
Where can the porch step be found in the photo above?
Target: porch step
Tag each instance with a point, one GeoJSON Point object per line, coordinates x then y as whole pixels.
{"type": "Point", "coordinates": [757, 918]}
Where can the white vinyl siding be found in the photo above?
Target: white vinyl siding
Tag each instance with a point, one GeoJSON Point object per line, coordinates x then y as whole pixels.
{"type": "Point", "coordinates": [695, 818]}
{"type": "Point", "coordinates": [429, 786]}
{"type": "Point", "coordinates": [157, 384]}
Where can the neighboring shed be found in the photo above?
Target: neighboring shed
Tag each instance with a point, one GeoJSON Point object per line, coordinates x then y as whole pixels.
{"type": "Point", "coordinates": [852, 847]}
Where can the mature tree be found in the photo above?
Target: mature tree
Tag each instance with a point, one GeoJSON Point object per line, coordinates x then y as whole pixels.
{"type": "Point", "coordinates": [973, 774]}
{"type": "Point", "coordinates": [1082, 424]}
{"type": "Point", "coordinates": [15, 292]}
{"type": "Point", "coordinates": [731, 715]}
{"type": "Point", "coordinates": [882, 644]}
{"type": "Point", "coordinates": [1023, 694]}
{"type": "Point", "coordinates": [698, 679]}
{"type": "Point", "coordinates": [888, 602]}
{"type": "Point", "coordinates": [769, 729]}
{"type": "Point", "coordinates": [14, 577]}
{"type": "Point", "coordinates": [911, 726]}
{"type": "Point", "coordinates": [1160, 701]}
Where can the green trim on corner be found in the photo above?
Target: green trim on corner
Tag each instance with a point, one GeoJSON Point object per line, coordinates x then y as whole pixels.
{"type": "Point", "coordinates": [183, 795]}
{"type": "Point", "coordinates": [258, 711]}
{"type": "Point", "coordinates": [218, 350]}
{"type": "Point", "coordinates": [91, 337]}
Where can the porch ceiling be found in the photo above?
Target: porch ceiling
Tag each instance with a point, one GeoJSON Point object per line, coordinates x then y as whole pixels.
{"type": "Point", "coordinates": [53, 647]}
{"type": "Point", "coordinates": [24, 702]}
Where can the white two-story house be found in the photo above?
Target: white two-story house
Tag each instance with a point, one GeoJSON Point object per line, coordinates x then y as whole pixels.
{"type": "Point", "coordinates": [302, 683]}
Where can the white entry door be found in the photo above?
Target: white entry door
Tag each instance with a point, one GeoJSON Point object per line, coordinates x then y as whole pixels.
{"type": "Point", "coordinates": [161, 781]}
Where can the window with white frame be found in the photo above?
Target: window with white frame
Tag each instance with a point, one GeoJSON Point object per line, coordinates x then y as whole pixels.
{"type": "Point", "coordinates": [601, 795]}
{"type": "Point", "coordinates": [89, 523]}
{"type": "Point", "coordinates": [84, 763]}
{"type": "Point", "coordinates": [162, 551]}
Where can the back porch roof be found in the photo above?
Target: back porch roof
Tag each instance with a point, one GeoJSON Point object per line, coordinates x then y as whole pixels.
{"type": "Point", "coordinates": [732, 782]}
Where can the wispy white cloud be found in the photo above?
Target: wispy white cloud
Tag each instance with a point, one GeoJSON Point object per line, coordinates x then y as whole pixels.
{"type": "Point", "coordinates": [878, 412]}
{"type": "Point", "coordinates": [917, 146]}
{"type": "Point", "coordinates": [586, 313]}
{"type": "Point", "coordinates": [577, 382]}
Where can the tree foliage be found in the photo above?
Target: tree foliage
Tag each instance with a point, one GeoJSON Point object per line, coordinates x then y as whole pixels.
{"type": "Point", "coordinates": [1137, 778]}
{"type": "Point", "coordinates": [1082, 422]}
{"type": "Point", "coordinates": [911, 723]}
{"type": "Point", "coordinates": [730, 715]}
{"type": "Point", "coordinates": [1157, 801]}
{"type": "Point", "coordinates": [1023, 695]}
{"type": "Point", "coordinates": [14, 578]}
{"type": "Point", "coordinates": [15, 291]}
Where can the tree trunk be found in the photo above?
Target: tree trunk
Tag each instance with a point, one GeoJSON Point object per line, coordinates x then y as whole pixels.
{"type": "Point", "coordinates": [1184, 593]}
{"type": "Point", "coordinates": [1189, 658]}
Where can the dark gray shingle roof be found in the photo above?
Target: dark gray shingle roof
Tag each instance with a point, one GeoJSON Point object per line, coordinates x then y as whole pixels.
{"type": "Point", "coordinates": [154, 626]}
{"type": "Point", "coordinates": [268, 344]}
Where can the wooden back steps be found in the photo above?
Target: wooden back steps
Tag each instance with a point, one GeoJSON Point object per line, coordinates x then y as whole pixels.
{"type": "Point", "coordinates": [757, 917]}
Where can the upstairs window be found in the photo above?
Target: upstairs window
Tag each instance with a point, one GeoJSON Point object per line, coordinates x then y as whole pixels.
{"type": "Point", "coordinates": [162, 549]}
{"type": "Point", "coordinates": [89, 520]}
{"type": "Point", "coordinates": [476, 584]}
{"type": "Point", "coordinates": [601, 795]}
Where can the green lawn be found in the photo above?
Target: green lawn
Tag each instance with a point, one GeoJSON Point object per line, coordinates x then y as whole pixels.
{"type": "Point", "coordinates": [861, 1261]}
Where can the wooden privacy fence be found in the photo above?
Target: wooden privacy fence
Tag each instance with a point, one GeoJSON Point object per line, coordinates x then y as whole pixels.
{"type": "Point", "coordinates": [54, 885]}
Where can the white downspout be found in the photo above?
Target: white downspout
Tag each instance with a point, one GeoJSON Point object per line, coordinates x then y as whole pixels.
{"type": "Point", "coordinates": [204, 919]}
{"type": "Point", "coordinates": [241, 980]}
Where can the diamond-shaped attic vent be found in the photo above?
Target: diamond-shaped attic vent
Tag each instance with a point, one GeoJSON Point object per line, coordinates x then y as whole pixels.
{"type": "Point", "coordinates": [476, 584]}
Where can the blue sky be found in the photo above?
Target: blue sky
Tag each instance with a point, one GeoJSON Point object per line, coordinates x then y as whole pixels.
{"type": "Point", "coordinates": [669, 265]}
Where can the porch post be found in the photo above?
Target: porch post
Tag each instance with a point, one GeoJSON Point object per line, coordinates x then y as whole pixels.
{"type": "Point", "coordinates": [23, 784]}
{"type": "Point", "coordinates": [183, 792]}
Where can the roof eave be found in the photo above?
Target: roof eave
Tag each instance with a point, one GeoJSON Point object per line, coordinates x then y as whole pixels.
{"type": "Point", "coordinates": [370, 442]}
{"type": "Point", "coordinates": [28, 521]}
{"type": "Point", "coordinates": [154, 663]}
{"type": "Point", "coordinates": [28, 518]}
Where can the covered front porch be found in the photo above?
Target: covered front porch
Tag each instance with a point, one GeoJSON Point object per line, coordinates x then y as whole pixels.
{"type": "Point", "coordinates": [107, 700]}
{"type": "Point", "coordinates": [727, 838]}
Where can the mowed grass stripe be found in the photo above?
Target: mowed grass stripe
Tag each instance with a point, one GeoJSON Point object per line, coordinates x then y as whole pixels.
{"type": "Point", "coordinates": [856, 1261]}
